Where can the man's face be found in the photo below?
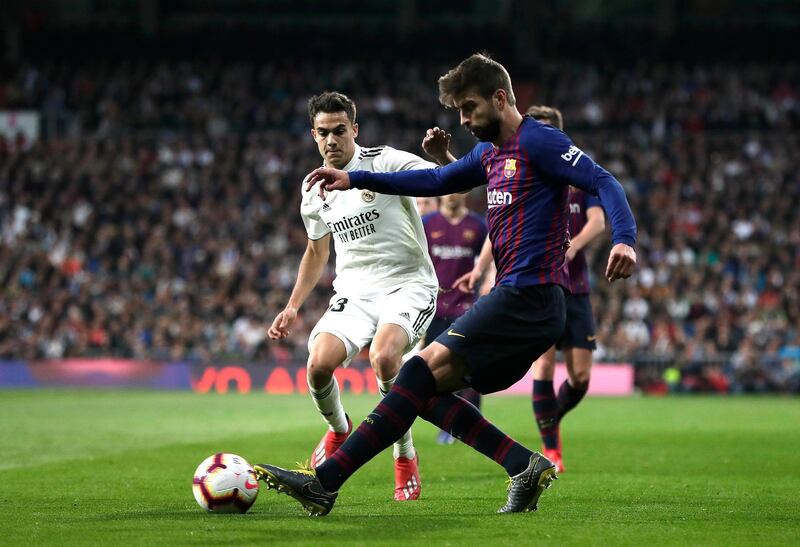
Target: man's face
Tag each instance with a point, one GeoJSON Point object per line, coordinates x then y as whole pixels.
{"type": "Point", "coordinates": [454, 201]}
{"type": "Point", "coordinates": [336, 137]}
{"type": "Point", "coordinates": [426, 205]}
{"type": "Point", "coordinates": [480, 116]}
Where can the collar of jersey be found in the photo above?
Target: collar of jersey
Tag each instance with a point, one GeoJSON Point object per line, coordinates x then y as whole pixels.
{"type": "Point", "coordinates": [354, 161]}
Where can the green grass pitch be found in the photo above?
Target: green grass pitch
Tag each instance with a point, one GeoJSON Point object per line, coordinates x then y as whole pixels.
{"type": "Point", "coordinates": [115, 467]}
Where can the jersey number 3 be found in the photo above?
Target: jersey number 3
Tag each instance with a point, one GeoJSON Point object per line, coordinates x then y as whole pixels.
{"type": "Point", "coordinates": [339, 305]}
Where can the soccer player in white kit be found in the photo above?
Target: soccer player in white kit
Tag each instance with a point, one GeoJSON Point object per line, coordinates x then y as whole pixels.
{"type": "Point", "coordinates": [385, 285]}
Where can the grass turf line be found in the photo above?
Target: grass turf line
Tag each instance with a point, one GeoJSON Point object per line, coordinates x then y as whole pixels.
{"type": "Point", "coordinates": [90, 467]}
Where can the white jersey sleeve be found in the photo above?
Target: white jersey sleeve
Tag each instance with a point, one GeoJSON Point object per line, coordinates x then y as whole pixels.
{"type": "Point", "coordinates": [392, 160]}
{"type": "Point", "coordinates": [316, 228]}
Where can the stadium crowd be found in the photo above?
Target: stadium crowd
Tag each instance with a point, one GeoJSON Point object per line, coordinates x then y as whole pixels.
{"type": "Point", "coordinates": [157, 217]}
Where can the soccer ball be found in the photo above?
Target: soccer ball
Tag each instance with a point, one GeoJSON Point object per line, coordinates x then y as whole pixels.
{"type": "Point", "coordinates": [225, 483]}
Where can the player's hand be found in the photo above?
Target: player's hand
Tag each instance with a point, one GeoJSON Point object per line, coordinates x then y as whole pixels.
{"type": "Point", "coordinates": [329, 179]}
{"type": "Point", "coordinates": [436, 144]}
{"type": "Point", "coordinates": [569, 254]}
{"type": "Point", "coordinates": [280, 325]}
{"type": "Point", "coordinates": [621, 262]}
{"type": "Point", "coordinates": [466, 283]}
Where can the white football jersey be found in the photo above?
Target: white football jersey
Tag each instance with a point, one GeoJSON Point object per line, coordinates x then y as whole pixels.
{"type": "Point", "coordinates": [379, 239]}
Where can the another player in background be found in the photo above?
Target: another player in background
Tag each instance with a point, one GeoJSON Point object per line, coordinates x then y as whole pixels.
{"type": "Point", "coordinates": [385, 285]}
{"type": "Point", "coordinates": [528, 167]}
{"type": "Point", "coordinates": [586, 221]}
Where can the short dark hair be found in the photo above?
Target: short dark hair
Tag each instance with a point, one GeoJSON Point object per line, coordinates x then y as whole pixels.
{"type": "Point", "coordinates": [547, 114]}
{"type": "Point", "coordinates": [476, 71]}
{"type": "Point", "coordinates": [331, 102]}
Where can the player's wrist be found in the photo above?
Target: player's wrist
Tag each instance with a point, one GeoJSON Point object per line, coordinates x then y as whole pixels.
{"type": "Point", "coordinates": [624, 240]}
{"type": "Point", "coordinates": [441, 158]}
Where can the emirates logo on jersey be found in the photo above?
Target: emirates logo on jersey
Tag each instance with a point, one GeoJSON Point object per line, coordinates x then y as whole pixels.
{"type": "Point", "coordinates": [367, 196]}
{"type": "Point", "coordinates": [510, 168]}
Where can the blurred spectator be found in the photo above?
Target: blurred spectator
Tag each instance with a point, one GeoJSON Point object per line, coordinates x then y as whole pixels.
{"type": "Point", "coordinates": [158, 217]}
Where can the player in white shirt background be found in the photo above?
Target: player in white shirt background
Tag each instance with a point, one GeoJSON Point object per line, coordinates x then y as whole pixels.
{"type": "Point", "coordinates": [385, 285]}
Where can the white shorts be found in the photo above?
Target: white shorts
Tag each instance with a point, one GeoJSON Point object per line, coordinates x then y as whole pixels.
{"type": "Point", "coordinates": [355, 320]}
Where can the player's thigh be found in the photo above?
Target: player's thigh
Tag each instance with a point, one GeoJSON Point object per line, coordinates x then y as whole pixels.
{"type": "Point", "coordinates": [504, 332]}
{"type": "Point", "coordinates": [545, 366]}
{"type": "Point", "coordinates": [350, 319]}
{"type": "Point", "coordinates": [411, 308]}
{"type": "Point", "coordinates": [579, 331]}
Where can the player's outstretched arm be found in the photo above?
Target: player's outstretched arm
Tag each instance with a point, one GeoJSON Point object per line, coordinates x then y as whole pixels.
{"type": "Point", "coordinates": [555, 155]}
{"type": "Point", "coordinates": [459, 176]}
{"type": "Point", "coordinates": [311, 267]}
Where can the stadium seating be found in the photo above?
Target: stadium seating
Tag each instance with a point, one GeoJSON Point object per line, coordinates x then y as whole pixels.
{"type": "Point", "coordinates": [158, 216]}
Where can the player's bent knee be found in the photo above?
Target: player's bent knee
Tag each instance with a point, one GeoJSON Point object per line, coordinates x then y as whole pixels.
{"type": "Point", "coordinates": [579, 367]}
{"type": "Point", "coordinates": [447, 368]}
{"type": "Point", "coordinates": [580, 378]}
{"type": "Point", "coordinates": [319, 376]}
{"type": "Point", "coordinates": [545, 366]}
{"type": "Point", "coordinates": [319, 370]}
{"type": "Point", "coordinates": [385, 363]}
{"type": "Point", "coordinates": [544, 369]}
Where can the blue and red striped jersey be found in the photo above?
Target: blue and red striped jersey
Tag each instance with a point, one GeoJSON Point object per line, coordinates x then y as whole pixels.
{"type": "Point", "coordinates": [578, 269]}
{"type": "Point", "coordinates": [528, 180]}
{"type": "Point", "coordinates": [453, 249]}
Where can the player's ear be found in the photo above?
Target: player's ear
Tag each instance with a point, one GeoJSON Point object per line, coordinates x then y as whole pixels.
{"type": "Point", "coordinates": [355, 130]}
{"type": "Point", "coordinates": [499, 99]}
{"type": "Point", "coordinates": [314, 133]}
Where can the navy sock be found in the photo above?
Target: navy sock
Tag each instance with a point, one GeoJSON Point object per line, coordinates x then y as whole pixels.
{"type": "Point", "coordinates": [569, 396]}
{"type": "Point", "coordinates": [392, 417]}
{"type": "Point", "coordinates": [471, 396]}
{"type": "Point", "coordinates": [545, 407]}
{"type": "Point", "coordinates": [465, 422]}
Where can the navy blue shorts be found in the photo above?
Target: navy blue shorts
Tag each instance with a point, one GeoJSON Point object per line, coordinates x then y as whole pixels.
{"type": "Point", "coordinates": [504, 332]}
{"type": "Point", "coordinates": [580, 330]}
{"type": "Point", "coordinates": [437, 327]}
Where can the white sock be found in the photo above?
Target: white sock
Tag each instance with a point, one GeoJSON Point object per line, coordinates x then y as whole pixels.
{"type": "Point", "coordinates": [405, 445]}
{"type": "Point", "coordinates": [330, 406]}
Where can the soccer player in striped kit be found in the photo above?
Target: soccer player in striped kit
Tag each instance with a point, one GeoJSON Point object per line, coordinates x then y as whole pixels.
{"type": "Point", "coordinates": [528, 167]}
{"type": "Point", "coordinates": [586, 222]}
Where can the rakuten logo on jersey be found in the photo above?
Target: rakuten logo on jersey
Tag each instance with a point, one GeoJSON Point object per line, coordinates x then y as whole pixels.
{"type": "Point", "coordinates": [496, 198]}
{"type": "Point", "coordinates": [573, 152]}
